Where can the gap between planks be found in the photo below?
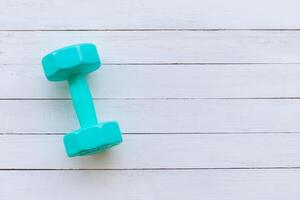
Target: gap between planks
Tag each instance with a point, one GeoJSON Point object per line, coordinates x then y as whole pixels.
{"type": "Point", "coordinates": [153, 169]}
{"type": "Point", "coordinates": [151, 98]}
{"type": "Point", "coordinates": [138, 30]}
{"type": "Point", "coordinates": [160, 133]}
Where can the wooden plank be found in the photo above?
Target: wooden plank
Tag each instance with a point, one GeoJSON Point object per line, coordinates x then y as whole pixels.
{"type": "Point", "coordinates": [157, 116]}
{"type": "Point", "coordinates": [148, 185]}
{"type": "Point", "coordinates": [156, 152]}
{"type": "Point", "coordinates": [27, 48]}
{"type": "Point", "coordinates": [161, 81]}
{"type": "Point", "coordinates": [149, 14]}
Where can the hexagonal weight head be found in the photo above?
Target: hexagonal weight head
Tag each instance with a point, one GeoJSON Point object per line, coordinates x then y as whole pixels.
{"type": "Point", "coordinates": [75, 59]}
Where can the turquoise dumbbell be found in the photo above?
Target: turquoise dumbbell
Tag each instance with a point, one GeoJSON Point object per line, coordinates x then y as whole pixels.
{"type": "Point", "coordinates": [72, 63]}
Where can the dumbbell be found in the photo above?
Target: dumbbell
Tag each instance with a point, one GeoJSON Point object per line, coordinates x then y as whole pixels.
{"type": "Point", "coordinates": [73, 63]}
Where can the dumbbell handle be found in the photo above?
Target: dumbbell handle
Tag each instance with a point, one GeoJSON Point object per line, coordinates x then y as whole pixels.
{"type": "Point", "coordinates": [82, 101]}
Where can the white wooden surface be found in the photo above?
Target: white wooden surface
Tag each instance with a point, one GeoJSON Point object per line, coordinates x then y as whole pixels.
{"type": "Point", "coordinates": [149, 14]}
{"type": "Point", "coordinates": [151, 184]}
{"type": "Point", "coordinates": [172, 151]}
{"type": "Point", "coordinates": [157, 116]}
{"type": "Point", "coordinates": [158, 47]}
{"type": "Point", "coordinates": [206, 93]}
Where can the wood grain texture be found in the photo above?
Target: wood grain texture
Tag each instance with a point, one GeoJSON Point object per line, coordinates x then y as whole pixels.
{"type": "Point", "coordinates": [148, 185]}
{"type": "Point", "coordinates": [27, 48]}
{"type": "Point", "coordinates": [160, 81]}
{"type": "Point", "coordinates": [149, 14]}
{"type": "Point", "coordinates": [156, 116]}
{"type": "Point", "coordinates": [189, 151]}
